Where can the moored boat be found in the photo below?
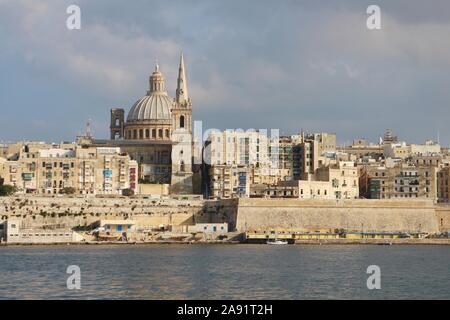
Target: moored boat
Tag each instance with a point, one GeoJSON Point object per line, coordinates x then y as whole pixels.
{"type": "Point", "coordinates": [276, 241]}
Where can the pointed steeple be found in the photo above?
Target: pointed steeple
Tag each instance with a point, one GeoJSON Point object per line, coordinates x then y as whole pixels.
{"type": "Point", "coordinates": [182, 95]}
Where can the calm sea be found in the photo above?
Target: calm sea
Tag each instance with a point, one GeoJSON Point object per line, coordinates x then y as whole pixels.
{"type": "Point", "coordinates": [225, 272]}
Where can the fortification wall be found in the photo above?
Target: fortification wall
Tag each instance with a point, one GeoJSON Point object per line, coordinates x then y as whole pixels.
{"type": "Point", "coordinates": [351, 215]}
{"type": "Point", "coordinates": [243, 214]}
{"type": "Point", "coordinates": [82, 212]}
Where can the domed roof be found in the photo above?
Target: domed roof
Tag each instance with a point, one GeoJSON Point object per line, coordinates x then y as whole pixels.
{"type": "Point", "coordinates": [156, 105]}
{"type": "Point", "coordinates": [151, 107]}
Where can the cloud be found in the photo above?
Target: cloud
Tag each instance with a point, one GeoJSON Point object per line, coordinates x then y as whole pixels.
{"type": "Point", "coordinates": [288, 64]}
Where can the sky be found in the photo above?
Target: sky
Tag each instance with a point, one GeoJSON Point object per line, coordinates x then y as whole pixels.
{"type": "Point", "coordinates": [263, 64]}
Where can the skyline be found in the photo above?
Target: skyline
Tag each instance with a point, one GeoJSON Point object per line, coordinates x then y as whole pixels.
{"type": "Point", "coordinates": [246, 68]}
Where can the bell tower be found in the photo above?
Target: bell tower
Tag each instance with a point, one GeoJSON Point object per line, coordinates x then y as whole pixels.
{"type": "Point", "coordinates": [182, 145]}
{"type": "Point", "coordinates": [182, 110]}
{"type": "Point", "coordinates": [117, 123]}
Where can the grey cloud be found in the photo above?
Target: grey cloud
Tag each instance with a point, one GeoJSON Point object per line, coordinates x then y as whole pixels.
{"type": "Point", "coordinates": [287, 64]}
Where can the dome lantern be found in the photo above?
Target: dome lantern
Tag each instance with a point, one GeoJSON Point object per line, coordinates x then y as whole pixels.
{"type": "Point", "coordinates": [156, 105]}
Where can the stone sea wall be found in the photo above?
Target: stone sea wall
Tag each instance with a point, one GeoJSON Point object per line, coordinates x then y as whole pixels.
{"type": "Point", "coordinates": [66, 212]}
{"type": "Point", "coordinates": [351, 215]}
{"type": "Point", "coordinates": [243, 214]}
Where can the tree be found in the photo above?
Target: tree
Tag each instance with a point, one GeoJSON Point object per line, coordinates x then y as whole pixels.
{"type": "Point", "coordinates": [128, 192]}
{"type": "Point", "coordinates": [7, 190]}
{"type": "Point", "coordinates": [67, 190]}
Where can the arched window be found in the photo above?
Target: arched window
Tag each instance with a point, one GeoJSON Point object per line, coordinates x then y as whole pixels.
{"type": "Point", "coordinates": [117, 122]}
{"type": "Point", "coordinates": [147, 133]}
{"type": "Point", "coordinates": [167, 133]}
{"type": "Point", "coordinates": [134, 134]}
{"type": "Point", "coordinates": [181, 121]}
{"type": "Point", "coordinates": [141, 134]}
{"type": "Point", "coordinates": [160, 133]}
{"type": "Point", "coordinates": [153, 133]}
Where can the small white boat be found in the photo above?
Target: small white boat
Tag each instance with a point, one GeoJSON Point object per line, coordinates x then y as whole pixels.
{"type": "Point", "coordinates": [276, 241]}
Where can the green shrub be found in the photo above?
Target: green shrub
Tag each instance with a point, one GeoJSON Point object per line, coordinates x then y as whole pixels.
{"type": "Point", "coordinates": [67, 190]}
{"type": "Point", "coordinates": [7, 190]}
{"type": "Point", "coordinates": [128, 192]}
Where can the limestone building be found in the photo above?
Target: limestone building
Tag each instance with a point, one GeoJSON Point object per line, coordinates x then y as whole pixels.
{"type": "Point", "coordinates": [402, 180]}
{"type": "Point", "coordinates": [443, 182]}
{"type": "Point", "coordinates": [335, 181]}
{"type": "Point", "coordinates": [308, 152]}
{"type": "Point", "coordinates": [47, 169]}
{"type": "Point", "coordinates": [251, 164]}
{"type": "Point", "coordinates": [236, 159]}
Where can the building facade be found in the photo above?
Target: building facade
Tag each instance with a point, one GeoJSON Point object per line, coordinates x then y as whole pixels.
{"type": "Point", "coordinates": [85, 170]}
{"type": "Point", "coordinates": [403, 180]}
{"type": "Point", "coordinates": [334, 181]}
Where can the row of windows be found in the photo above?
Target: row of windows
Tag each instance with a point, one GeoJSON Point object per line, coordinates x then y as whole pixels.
{"type": "Point", "coordinates": [145, 134]}
{"type": "Point", "coordinates": [55, 165]}
{"type": "Point", "coordinates": [312, 192]}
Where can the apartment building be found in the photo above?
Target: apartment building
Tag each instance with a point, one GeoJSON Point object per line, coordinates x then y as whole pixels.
{"type": "Point", "coordinates": [309, 150]}
{"type": "Point", "coordinates": [403, 180]}
{"type": "Point", "coordinates": [443, 181]}
{"type": "Point", "coordinates": [338, 180]}
{"type": "Point", "coordinates": [86, 170]}
{"type": "Point", "coordinates": [403, 150]}
{"type": "Point", "coordinates": [260, 161]}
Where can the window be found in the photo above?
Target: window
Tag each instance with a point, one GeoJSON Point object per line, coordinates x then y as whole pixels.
{"type": "Point", "coordinates": [141, 134]}
{"type": "Point", "coordinates": [181, 121]}
{"type": "Point", "coordinates": [153, 133]}
{"type": "Point", "coordinates": [160, 133]}
{"type": "Point", "coordinates": [182, 168]}
{"type": "Point", "coordinates": [147, 133]}
{"type": "Point", "coordinates": [167, 133]}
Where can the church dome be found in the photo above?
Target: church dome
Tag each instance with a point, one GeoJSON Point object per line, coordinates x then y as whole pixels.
{"type": "Point", "coordinates": [156, 105]}
{"type": "Point", "coordinates": [151, 107]}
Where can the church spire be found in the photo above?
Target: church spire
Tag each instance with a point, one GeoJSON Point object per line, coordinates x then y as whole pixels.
{"type": "Point", "coordinates": [182, 95]}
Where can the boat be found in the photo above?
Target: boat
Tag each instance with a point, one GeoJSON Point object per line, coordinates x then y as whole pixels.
{"type": "Point", "coordinates": [276, 241]}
